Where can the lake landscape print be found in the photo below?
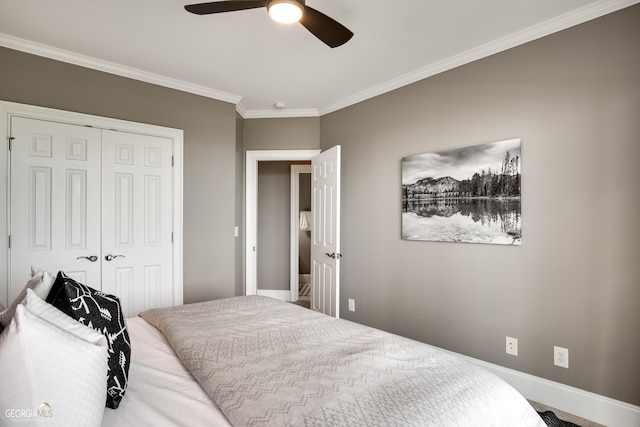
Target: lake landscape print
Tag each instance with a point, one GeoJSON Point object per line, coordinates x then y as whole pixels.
{"type": "Point", "coordinates": [470, 194]}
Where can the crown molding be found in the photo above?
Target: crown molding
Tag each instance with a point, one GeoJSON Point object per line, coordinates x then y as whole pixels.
{"type": "Point", "coordinates": [278, 114]}
{"type": "Point", "coordinates": [240, 109]}
{"type": "Point", "coordinates": [535, 32]}
{"type": "Point", "coordinates": [51, 52]}
{"type": "Point", "coordinates": [576, 17]}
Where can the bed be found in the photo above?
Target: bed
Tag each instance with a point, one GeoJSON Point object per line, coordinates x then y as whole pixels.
{"type": "Point", "coordinates": [256, 361]}
{"type": "Point", "coordinates": [161, 391]}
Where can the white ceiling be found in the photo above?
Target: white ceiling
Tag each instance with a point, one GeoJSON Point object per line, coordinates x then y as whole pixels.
{"type": "Point", "coordinates": [247, 59]}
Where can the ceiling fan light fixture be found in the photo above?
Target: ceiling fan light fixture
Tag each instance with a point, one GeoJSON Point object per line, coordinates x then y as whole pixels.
{"type": "Point", "coordinates": [285, 11]}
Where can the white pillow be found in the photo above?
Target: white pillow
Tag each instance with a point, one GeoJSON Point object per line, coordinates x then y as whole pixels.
{"type": "Point", "coordinates": [51, 376]}
{"type": "Point", "coordinates": [41, 282]}
{"type": "Point", "coordinates": [51, 314]}
{"type": "Point", "coordinates": [36, 270]}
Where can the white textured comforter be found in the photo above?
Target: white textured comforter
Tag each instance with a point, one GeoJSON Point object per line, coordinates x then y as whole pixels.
{"type": "Point", "coordinates": [160, 391]}
{"type": "Point", "coordinates": [269, 363]}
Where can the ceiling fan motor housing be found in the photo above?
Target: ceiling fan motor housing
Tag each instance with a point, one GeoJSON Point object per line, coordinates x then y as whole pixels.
{"type": "Point", "coordinates": [285, 11]}
{"type": "Point", "coordinates": [269, 2]}
{"type": "Point", "coordinates": [295, 3]}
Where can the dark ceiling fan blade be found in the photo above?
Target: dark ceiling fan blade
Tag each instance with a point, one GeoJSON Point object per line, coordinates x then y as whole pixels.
{"type": "Point", "coordinates": [330, 31]}
{"type": "Point", "coordinates": [224, 6]}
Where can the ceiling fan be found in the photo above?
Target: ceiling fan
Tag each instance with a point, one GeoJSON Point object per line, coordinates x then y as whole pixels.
{"type": "Point", "coordinates": [331, 32]}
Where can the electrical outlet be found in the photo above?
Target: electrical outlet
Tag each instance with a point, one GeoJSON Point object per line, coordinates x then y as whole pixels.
{"type": "Point", "coordinates": [352, 304]}
{"type": "Point", "coordinates": [236, 231]}
{"type": "Point", "coordinates": [561, 357]}
{"type": "Point", "coordinates": [512, 346]}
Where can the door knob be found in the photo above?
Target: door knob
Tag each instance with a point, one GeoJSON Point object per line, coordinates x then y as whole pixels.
{"type": "Point", "coordinates": [333, 255]}
{"type": "Point", "coordinates": [92, 258]}
{"type": "Point", "coordinates": [110, 257]}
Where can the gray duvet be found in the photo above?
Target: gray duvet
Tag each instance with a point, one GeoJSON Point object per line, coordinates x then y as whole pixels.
{"type": "Point", "coordinates": [270, 363]}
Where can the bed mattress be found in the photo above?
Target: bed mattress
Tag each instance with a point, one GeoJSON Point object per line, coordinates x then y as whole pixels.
{"type": "Point", "coordinates": [269, 363]}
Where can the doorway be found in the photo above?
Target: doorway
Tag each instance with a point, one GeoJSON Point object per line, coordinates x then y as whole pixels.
{"type": "Point", "coordinates": [325, 235]}
{"type": "Point", "coordinates": [251, 204]}
{"type": "Point", "coordinates": [300, 219]}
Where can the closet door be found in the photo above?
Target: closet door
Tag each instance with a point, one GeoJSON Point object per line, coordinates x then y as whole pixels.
{"type": "Point", "coordinates": [96, 204]}
{"type": "Point", "coordinates": [55, 201]}
{"type": "Point", "coordinates": [137, 200]}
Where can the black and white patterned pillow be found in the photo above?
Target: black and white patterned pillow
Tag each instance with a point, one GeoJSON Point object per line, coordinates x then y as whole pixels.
{"type": "Point", "coordinates": [102, 313]}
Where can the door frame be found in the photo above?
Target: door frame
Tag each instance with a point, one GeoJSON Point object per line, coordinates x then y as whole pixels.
{"type": "Point", "coordinates": [296, 171]}
{"type": "Point", "coordinates": [252, 157]}
{"type": "Point", "coordinates": [11, 109]}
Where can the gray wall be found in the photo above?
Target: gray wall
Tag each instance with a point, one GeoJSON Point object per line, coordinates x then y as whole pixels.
{"type": "Point", "coordinates": [209, 150]}
{"type": "Point", "coordinates": [274, 224]}
{"type": "Point", "coordinates": [239, 248]}
{"type": "Point", "coordinates": [274, 191]}
{"type": "Point", "coordinates": [574, 99]}
{"type": "Point", "coordinates": [282, 134]}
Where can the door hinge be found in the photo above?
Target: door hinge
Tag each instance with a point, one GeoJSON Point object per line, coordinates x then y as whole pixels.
{"type": "Point", "coordinates": [172, 237]}
{"type": "Point", "coordinates": [172, 161]}
{"type": "Point", "coordinates": [10, 138]}
{"type": "Point", "coordinates": [9, 241]}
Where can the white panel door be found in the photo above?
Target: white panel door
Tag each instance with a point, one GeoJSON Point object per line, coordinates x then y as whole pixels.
{"type": "Point", "coordinates": [137, 200]}
{"type": "Point", "coordinates": [96, 204]}
{"type": "Point", "coordinates": [55, 201]}
{"type": "Point", "coordinates": [325, 232]}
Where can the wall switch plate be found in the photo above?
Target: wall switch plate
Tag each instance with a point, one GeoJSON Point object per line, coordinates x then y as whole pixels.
{"type": "Point", "coordinates": [561, 357]}
{"type": "Point", "coordinates": [352, 304]}
{"type": "Point", "coordinates": [512, 346]}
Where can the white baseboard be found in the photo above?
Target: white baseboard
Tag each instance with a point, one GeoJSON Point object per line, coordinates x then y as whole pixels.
{"type": "Point", "coordinates": [277, 294]}
{"type": "Point", "coordinates": [591, 406]}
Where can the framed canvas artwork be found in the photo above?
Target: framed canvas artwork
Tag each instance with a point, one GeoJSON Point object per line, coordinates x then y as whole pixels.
{"type": "Point", "coordinates": [469, 194]}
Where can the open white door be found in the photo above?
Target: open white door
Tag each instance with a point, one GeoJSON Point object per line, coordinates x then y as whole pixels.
{"type": "Point", "coordinates": [325, 232]}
